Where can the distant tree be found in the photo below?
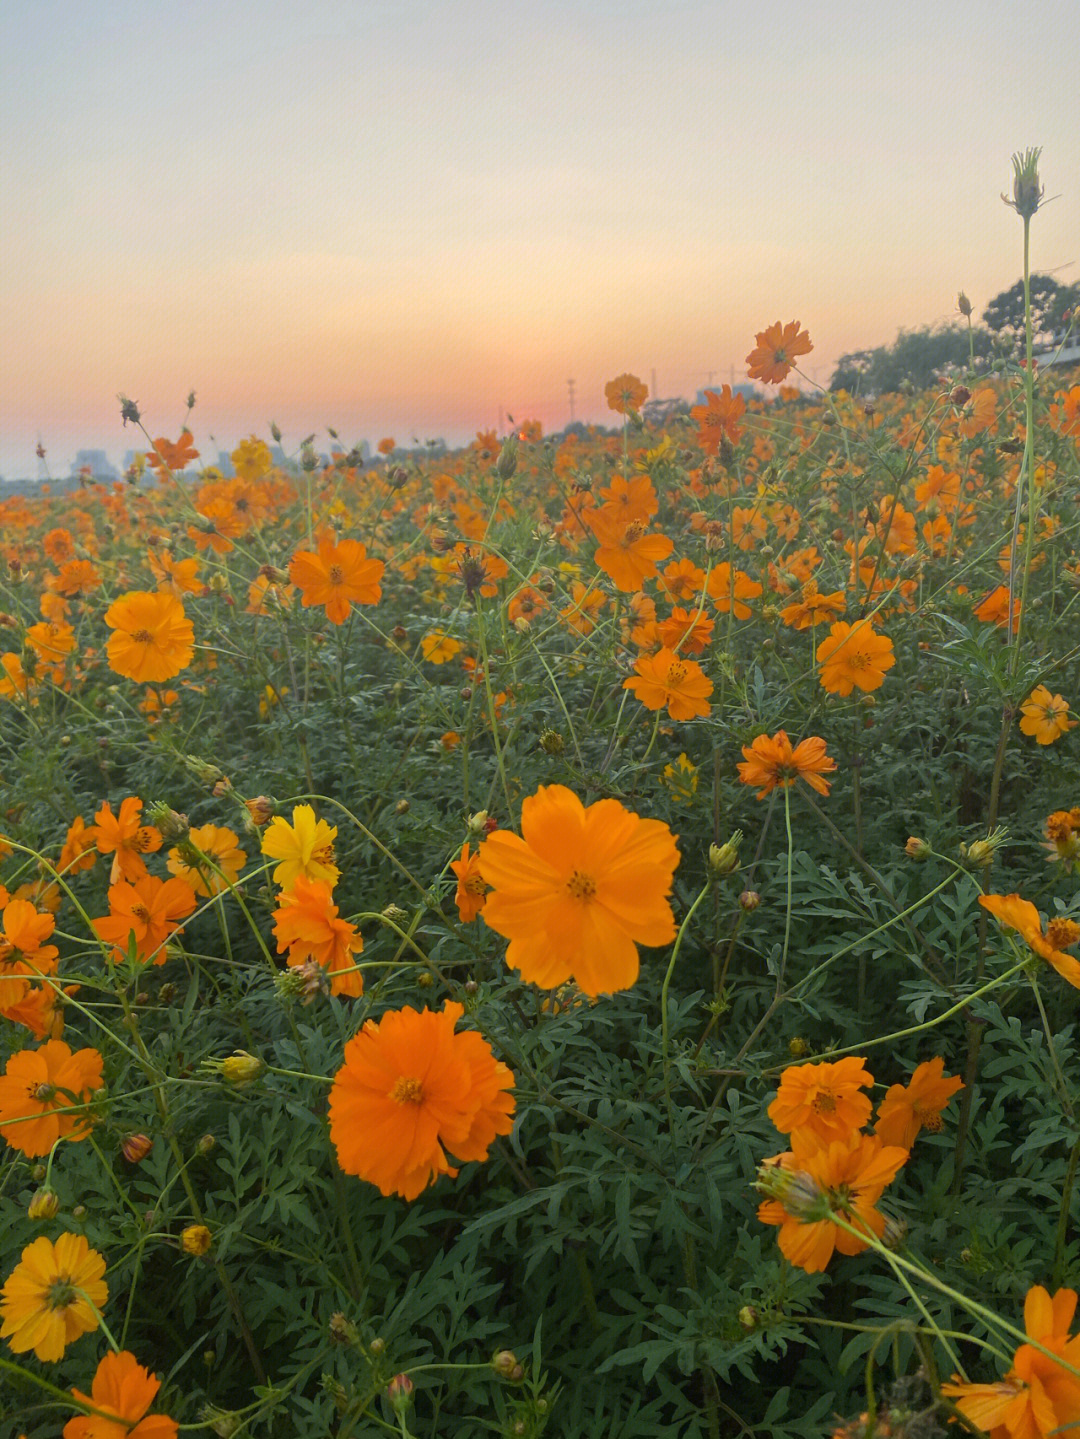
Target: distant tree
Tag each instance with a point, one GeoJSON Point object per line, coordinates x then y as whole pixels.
{"type": "Point", "coordinates": [916, 357]}
{"type": "Point", "coordinates": [1005, 313]}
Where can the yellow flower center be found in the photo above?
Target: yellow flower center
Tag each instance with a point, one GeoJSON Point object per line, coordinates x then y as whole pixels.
{"type": "Point", "coordinates": [407, 1090]}
{"type": "Point", "coordinates": [858, 661]}
{"type": "Point", "coordinates": [581, 886]}
{"type": "Point", "coordinates": [1062, 932]}
{"type": "Point", "coordinates": [676, 674]}
{"type": "Point", "coordinates": [474, 885]}
{"type": "Point", "coordinates": [335, 574]}
{"type": "Point", "coordinates": [824, 1102]}
{"type": "Point", "coordinates": [140, 912]}
{"type": "Point", "coordinates": [142, 637]}
{"type": "Point", "coordinates": [930, 1120]}
{"type": "Point", "coordinates": [323, 855]}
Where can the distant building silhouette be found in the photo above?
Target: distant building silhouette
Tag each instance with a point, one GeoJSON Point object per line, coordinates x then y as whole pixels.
{"type": "Point", "coordinates": [97, 462]}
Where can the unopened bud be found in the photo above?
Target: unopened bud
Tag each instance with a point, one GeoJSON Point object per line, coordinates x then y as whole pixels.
{"type": "Point", "coordinates": [980, 853]}
{"type": "Point", "coordinates": [173, 826]}
{"type": "Point", "coordinates": [799, 1193]}
{"type": "Point", "coordinates": [963, 304]}
{"type": "Point", "coordinates": [917, 849]}
{"type": "Point", "coordinates": [136, 1147]}
{"type": "Point", "coordinates": [552, 742]}
{"type": "Point", "coordinates": [240, 1068]}
{"type": "Point", "coordinates": [476, 824]}
{"type": "Point", "coordinates": [402, 807]}
{"type": "Point", "coordinates": [505, 1362]}
{"type": "Point", "coordinates": [506, 464]}
{"type": "Point", "coordinates": [275, 433]}
{"type": "Point", "coordinates": [196, 1240]}
{"type": "Point", "coordinates": [206, 1144]}
{"type": "Point", "coordinates": [797, 1046]}
{"type": "Point", "coordinates": [44, 1205]}
{"type": "Point", "coordinates": [260, 809]}
{"type": "Point", "coordinates": [377, 1346]}
{"type": "Point", "coordinates": [749, 900]}
{"type": "Point", "coordinates": [724, 858]}
{"type": "Point", "coordinates": [400, 1391]}
{"type": "Point", "coordinates": [749, 1317]}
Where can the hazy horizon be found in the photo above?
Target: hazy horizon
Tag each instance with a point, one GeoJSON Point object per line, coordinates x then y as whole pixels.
{"type": "Point", "coordinates": [408, 219]}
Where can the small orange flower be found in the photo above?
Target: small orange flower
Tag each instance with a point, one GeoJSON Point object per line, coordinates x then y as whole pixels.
{"type": "Point", "coordinates": [147, 912]}
{"type": "Point", "coordinates": [123, 1389]}
{"type": "Point", "coordinates": [773, 762]}
{"type": "Point", "coordinates": [175, 456]}
{"type": "Point", "coordinates": [437, 648]}
{"type": "Point", "coordinates": [813, 608]}
{"type": "Point", "coordinates": [471, 889]}
{"type": "Point", "coordinates": [1045, 717]}
{"type": "Point", "coordinates": [686, 630]}
{"type": "Point", "coordinates": [124, 837]}
{"type": "Point", "coordinates": [627, 553]}
{"type": "Point", "coordinates": [152, 638]}
{"type": "Point", "coordinates": [411, 1091]}
{"type": "Point", "coordinates": [994, 608]}
{"type": "Point", "coordinates": [854, 655]}
{"type": "Point", "coordinates": [337, 577]}
{"type": "Point", "coordinates": [222, 849]}
{"type": "Point", "coordinates": [666, 678]}
{"type": "Point", "coordinates": [776, 351]}
{"type": "Point", "coordinates": [625, 393]}
{"type": "Point", "coordinates": [78, 852]}
{"type": "Point", "coordinates": [24, 955]}
{"type": "Point", "coordinates": [1012, 912]}
{"type": "Point", "coordinates": [823, 1100]}
{"type": "Point", "coordinates": [38, 1085]}
{"type": "Point", "coordinates": [718, 419]}
{"type": "Point", "coordinates": [579, 890]}
{"type": "Point", "coordinates": [729, 587]}
{"type": "Point", "coordinates": [908, 1108]}
{"type": "Point", "coordinates": [306, 923]}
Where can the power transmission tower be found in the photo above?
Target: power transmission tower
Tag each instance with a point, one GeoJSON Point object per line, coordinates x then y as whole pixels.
{"type": "Point", "coordinates": [570, 387]}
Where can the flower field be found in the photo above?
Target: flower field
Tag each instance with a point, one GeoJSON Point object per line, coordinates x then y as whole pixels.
{"type": "Point", "coordinates": [575, 935]}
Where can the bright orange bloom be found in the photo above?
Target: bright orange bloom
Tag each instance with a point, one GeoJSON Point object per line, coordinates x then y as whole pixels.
{"type": "Point", "coordinates": [78, 852]}
{"type": "Point", "coordinates": [268, 596]}
{"type": "Point", "coordinates": [749, 525]}
{"type": "Point", "coordinates": [776, 351]}
{"type": "Point", "coordinates": [152, 638]}
{"type": "Point", "coordinates": [412, 1091]}
{"type": "Point", "coordinates": [846, 1177]}
{"type": "Point", "coordinates": [635, 498]}
{"type": "Point", "coordinates": [178, 577]}
{"type": "Point", "coordinates": [252, 458]}
{"type": "Point", "coordinates": [148, 912]}
{"type": "Point", "coordinates": [1037, 1397]}
{"type": "Point", "coordinates": [13, 678]}
{"type": "Point", "coordinates": [854, 655]}
{"type": "Point", "coordinates": [728, 587]}
{"type": "Point", "coordinates": [176, 457]}
{"type": "Point", "coordinates": [579, 891]}
{"type": "Point", "coordinates": [627, 553]}
{"type": "Point", "coordinates": [625, 393]}
{"type": "Point", "coordinates": [908, 1108]}
{"type": "Point", "coordinates": [53, 1296]}
{"type": "Point", "coordinates": [772, 762]}
{"type": "Point", "coordinates": [124, 837]}
{"type": "Point", "coordinates": [471, 889]}
{"type": "Point", "coordinates": [221, 847]}
{"type": "Point", "coordinates": [682, 580]}
{"type": "Point", "coordinates": [306, 924]}
{"type": "Point", "coordinates": [306, 846]}
{"type": "Point", "coordinates": [1045, 717]}
{"type": "Point", "coordinates": [585, 604]}
{"type": "Point", "coordinates": [339, 576]}
{"type": "Point", "coordinates": [666, 678]}
{"type": "Point", "coordinates": [813, 608]}
{"type": "Point", "coordinates": [685, 630]}
{"type": "Point", "coordinates": [437, 648]}
{"type": "Point", "coordinates": [1062, 839]}
{"type": "Point", "coordinates": [525, 604]}
{"type": "Point", "coordinates": [994, 608]}
{"type": "Point", "coordinates": [718, 418]}
{"type": "Point", "coordinates": [37, 1010]}
{"type": "Point", "coordinates": [37, 1085]}
{"type": "Point", "coordinates": [1012, 912]}
{"type": "Point", "coordinates": [24, 955]}
{"type": "Point", "coordinates": [978, 413]}
{"type": "Point", "coordinates": [123, 1388]}
{"type": "Point", "coordinates": [822, 1100]}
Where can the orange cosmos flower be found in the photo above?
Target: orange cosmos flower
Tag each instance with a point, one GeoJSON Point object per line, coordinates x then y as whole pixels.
{"type": "Point", "coordinates": [772, 762]}
{"type": "Point", "coordinates": [411, 1091]}
{"type": "Point", "coordinates": [165, 453]}
{"type": "Point", "coordinates": [306, 846]}
{"type": "Point", "coordinates": [579, 891]}
{"type": "Point", "coordinates": [994, 608]}
{"type": "Point", "coordinates": [1012, 912]}
{"type": "Point", "coordinates": [13, 678]}
{"type": "Point", "coordinates": [666, 678]}
{"type": "Point", "coordinates": [822, 1100]}
{"type": "Point", "coordinates": [1045, 717]}
{"type": "Point", "coordinates": [37, 1086]}
{"type": "Point", "coordinates": [306, 924]}
{"type": "Point", "coordinates": [685, 630]}
{"type": "Point", "coordinates": [978, 413]}
{"type": "Point", "coordinates": [728, 587]}
{"type": "Point", "coordinates": [78, 852]}
{"type": "Point", "coordinates": [682, 580]}
{"type": "Point", "coordinates": [625, 393]}
{"type": "Point", "coordinates": [908, 1108]}
{"type": "Point", "coordinates": [634, 497]}
{"type": "Point", "coordinates": [437, 648]}
{"type": "Point", "coordinates": [811, 1183]}
{"type": "Point", "coordinates": [854, 655]}
{"type": "Point", "coordinates": [337, 577]}
{"type": "Point", "coordinates": [123, 1389]}
{"type": "Point", "coordinates": [627, 554]}
{"type": "Point", "coordinates": [53, 1296]}
{"type": "Point", "coordinates": [1038, 1396]}
{"type": "Point", "coordinates": [718, 419]}
{"type": "Point", "coordinates": [24, 955]}
{"type": "Point", "coordinates": [153, 639]}
{"type": "Point", "coordinates": [776, 351]}
{"type": "Point", "coordinates": [471, 889]}
{"type": "Point", "coordinates": [148, 912]}
{"type": "Point", "coordinates": [125, 838]}
{"type": "Point", "coordinates": [221, 846]}
{"type": "Point", "coordinates": [525, 604]}
{"type": "Point", "coordinates": [813, 608]}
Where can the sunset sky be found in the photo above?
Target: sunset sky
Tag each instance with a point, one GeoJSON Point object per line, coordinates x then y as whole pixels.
{"type": "Point", "coordinates": [403, 218]}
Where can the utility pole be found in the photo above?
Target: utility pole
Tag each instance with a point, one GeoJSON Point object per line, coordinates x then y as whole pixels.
{"type": "Point", "coordinates": [655, 391]}
{"type": "Point", "coordinates": [570, 387]}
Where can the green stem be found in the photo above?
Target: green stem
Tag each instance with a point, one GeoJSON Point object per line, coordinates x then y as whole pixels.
{"type": "Point", "coordinates": [665, 1026]}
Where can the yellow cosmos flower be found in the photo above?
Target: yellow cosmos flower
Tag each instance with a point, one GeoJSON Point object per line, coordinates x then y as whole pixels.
{"type": "Point", "coordinates": [1045, 717]}
{"type": "Point", "coordinates": [304, 847]}
{"type": "Point", "coordinates": [53, 1296]}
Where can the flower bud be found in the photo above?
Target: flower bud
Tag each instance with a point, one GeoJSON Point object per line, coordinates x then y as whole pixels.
{"type": "Point", "coordinates": [917, 849]}
{"type": "Point", "coordinates": [377, 1347]}
{"type": "Point", "coordinates": [173, 826]}
{"type": "Point", "coordinates": [797, 1046]}
{"type": "Point", "coordinates": [337, 1392]}
{"type": "Point", "coordinates": [963, 304]}
{"type": "Point", "coordinates": [400, 1391]}
{"type": "Point", "coordinates": [206, 1144]}
{"type": "Point", "coordinates": [136, 1147]}
{"type": "Point", "coordinates": [749, 900]}
{"type": "Point", "coordinates": [1027, 188]}
{"type": "Point", "coordinates": [241, 1068]}
{"type": "Point", "coordinates": [196, 1240]}
{"type": "Point", "coordinates": [260, 809]}
{"type": "Point", "coordinates": [552, 742]}
{"type": "Point", "coordinates": [505, 1362]}
{"type": "Point", "coordinates": [44, 1205]}
{"type": "Point", "coordinates": [799, 1192]}
{"type": "Point", "coordinates": [477, 822]}
{"type": "Point", "coordinates": [749, 1317]}
{"type": "Point", "coordinates": [724, 858]}
{"type": "Point", "coordinates": [275, 433]}
{"type": "Point", "coordinates": [980, 853]}
{"type": "Point", "coordinates": [506, 464]}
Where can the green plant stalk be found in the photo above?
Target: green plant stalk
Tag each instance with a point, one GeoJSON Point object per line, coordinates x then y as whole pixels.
{"type": "Point", "coordinates": [665, 1025]}
{"type": "Point", "coordinates": [1027, 470]}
